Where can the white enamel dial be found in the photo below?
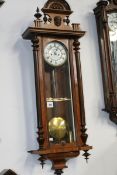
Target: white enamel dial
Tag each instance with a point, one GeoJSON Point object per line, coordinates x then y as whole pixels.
{"type": "Point", "coordinates": [112, 22]}
{"type": "Point", "coordinates": [55, 53]}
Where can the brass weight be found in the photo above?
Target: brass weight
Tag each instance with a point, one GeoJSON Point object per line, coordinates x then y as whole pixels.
{"type": "Point", "coordinates": [57, 127]}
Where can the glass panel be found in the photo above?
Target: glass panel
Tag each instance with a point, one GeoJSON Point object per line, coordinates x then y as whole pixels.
{"type": "Point", "coordinates": [58, 95]}
{"type": "Point", "coordinates": [112, 21]}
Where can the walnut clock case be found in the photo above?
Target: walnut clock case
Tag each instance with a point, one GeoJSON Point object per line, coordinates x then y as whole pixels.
{"type": "Point", "coordinates": [106, 19]}
{"type": "Point", "coordinates": [58, 81]}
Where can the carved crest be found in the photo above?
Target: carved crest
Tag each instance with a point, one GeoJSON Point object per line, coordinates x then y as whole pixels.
{"type": "Point", "coordinates": [57, 20]}
{"type": "Point", "coordinates": [57, 4]}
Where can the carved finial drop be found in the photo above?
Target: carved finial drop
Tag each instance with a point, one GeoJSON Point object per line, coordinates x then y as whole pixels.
{"type": "Point", "coordinates": [86, 155]}
{"type": "Point", "coordinates": [58, 172]}
{"type": "Point", "coordinates": [42, 160]}
{"type": "Point", "coordinates": [38, 15]}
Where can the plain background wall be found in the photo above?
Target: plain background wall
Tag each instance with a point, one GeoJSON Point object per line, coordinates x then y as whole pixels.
{"type": "Point", "coordinates": [17, 94]}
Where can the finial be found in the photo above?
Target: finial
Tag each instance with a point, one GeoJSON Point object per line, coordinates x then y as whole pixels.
{"type": "Point", "coordinates": [45, 19]}
{"type": "Point", "coordinates": [67, 21]}
{"type": "Point", "coordinates": [38, 15]}
{"type": "Point", "coordinates": [86, 155]}
{"type": "Point", "coordinates": [42, 161]}
{"type": "Point", "coordinates": [1, 2]}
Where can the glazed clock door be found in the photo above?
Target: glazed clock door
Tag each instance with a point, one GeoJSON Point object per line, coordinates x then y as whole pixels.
{"type": "Point", "coordinates": [58, 93]}
{"type": "Point", "coordinates": [112, 23]}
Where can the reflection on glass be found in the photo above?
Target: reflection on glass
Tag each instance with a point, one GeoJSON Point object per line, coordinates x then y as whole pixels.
{"type": "Point", "coordinates": [112, 22]}
{"type": "Point", "coordinates": [59, 103]}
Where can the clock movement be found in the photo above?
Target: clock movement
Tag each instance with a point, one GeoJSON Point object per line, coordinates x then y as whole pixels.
{"type": "Point", "coordinates": [106, 19]}
{"type": "Point", "coordinates": [58, 81]}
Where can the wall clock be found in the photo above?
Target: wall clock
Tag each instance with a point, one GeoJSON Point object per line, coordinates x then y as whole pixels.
{"type": "Point", "coordinates": [58, 80]}
{"type": "Point", "coordinates": [106, 18]}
